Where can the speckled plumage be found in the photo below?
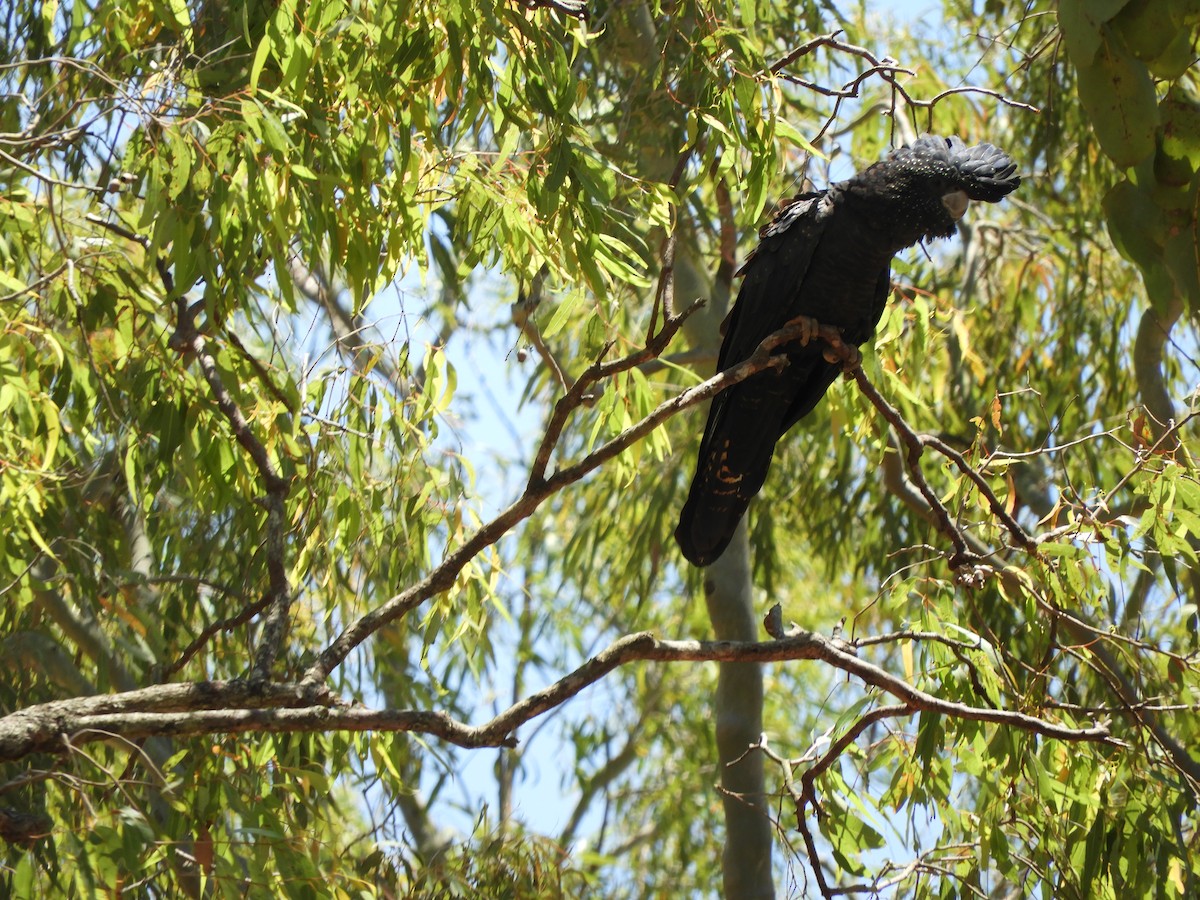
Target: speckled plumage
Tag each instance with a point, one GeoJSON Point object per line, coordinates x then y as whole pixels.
{"type": "Point", "coordinates": [826, 255]}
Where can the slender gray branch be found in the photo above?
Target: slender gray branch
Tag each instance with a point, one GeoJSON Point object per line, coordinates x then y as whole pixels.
{"type": "Point", "coordinates": [540, 487]}
{"type": "Point", "coordinates": [276, 486]}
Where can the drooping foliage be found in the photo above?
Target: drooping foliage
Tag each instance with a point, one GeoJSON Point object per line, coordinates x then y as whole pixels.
{"type": "Point", "coordinates": [290, 293]}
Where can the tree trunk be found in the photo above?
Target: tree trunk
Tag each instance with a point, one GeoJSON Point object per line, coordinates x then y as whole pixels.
{"type": "Point", "coordinates": [746, 862]}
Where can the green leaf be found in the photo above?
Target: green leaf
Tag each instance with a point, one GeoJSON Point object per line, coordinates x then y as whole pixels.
{"type": "Point", "coordinates": [1147, 28]}
{"type": "Point", "coordinates": [11, 284]}
{"type": "Point", "coordinates": [1180, 256]}
{"type": "Point", "coordinates": [787, 131]}
{"type": "Point", "coordinates": [274, 135]}
{"type": "Point", "coordinates": [1135, 222]}
{"type": "Point", "coordinates": [1118, 94]}
{"type": "Point", "coordinates": [562, 314]}
{"type": "Point", "coordinates": [749, 13]}
{"type": "Point", "coordinates": [260, 59]}
{"type": "Point", "coordinates": [182, 19]}
{"type": "Point", "coordinates": [1082, 24]}
{"type": "Point", "coordinates": [558, 165]}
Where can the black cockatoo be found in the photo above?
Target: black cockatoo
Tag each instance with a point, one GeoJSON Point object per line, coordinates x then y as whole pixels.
{"type": "Point", "coordinates": [826, 255]}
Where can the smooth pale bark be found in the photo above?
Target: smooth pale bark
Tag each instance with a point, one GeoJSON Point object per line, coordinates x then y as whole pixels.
{"type": "Point", "coordinates": [746, 861]}
{"type": "Point", "coordinates": [738, 702]}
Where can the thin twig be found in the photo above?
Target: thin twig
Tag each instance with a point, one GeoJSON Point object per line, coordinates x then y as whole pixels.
{"type": "Point", "coordinates": [118, 229]}
{"type": "Point", "coordinates": [522, 315]}
{"type": "Point", "coordinates": [50, 179]}
{"type": "Point", "coordinates": [963, 555]}
{"type": "Point", "coordinates": [818, 768]}
{"type": "Point", "coordinates": [1024, 539]}
{"type": "Point", "coordinates": [277, 487]}
{"type": "Point", "coordinates": [664, 295]}
{"type": "Point", "coordinates": [928, 636]}
{"type": "Point", "coordinates": [970, 89]}
{"type": "Point", "coordinates": [204, 636]}
{"type": "Point", "coordinates": [33, 286]}
{"type": "Point", "coordinates": [886, 69]}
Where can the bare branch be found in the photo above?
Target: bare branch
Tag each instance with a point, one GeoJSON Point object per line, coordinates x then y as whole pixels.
{"type": "Point", "coordinates": [244, 706]}
{"type": "Point", "coordinates": [969, 89]}
{"type": "Point", "coordinates": [40, 728]}
{"type": "Point", "coordinates": [35, 285]}
{"type": "Point", "coordinates": [930, 636]}
{"type": "Point", "coordinates": [227, 624]}
{"type": "Point", "coordinates": [539, 488]}
{"type": "Point", "coordinates": [1023, 538]}
{"type": "Point", "coordinates": [118, 229]}
{"type": "Point", "coordinates": [50, 179]}
{"type": "Point", "coordinates": [664, 295]}
{"type": "Point", "coordinates": [188, 339]}
{"type": "Point", "coordinates": [963, 556]}
{"type": "Point", "coordinates": [851, 734]}
{"type": "Point", "coordinates": [886, 69]}
{"type": "Point", "coordinates": [277, 489]}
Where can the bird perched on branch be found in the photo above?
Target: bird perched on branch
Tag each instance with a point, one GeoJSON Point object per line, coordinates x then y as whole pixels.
{"type": "Point", "coordinates": [826, 255]}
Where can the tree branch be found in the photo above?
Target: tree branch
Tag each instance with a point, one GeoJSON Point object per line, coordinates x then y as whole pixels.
{"type": "Point", "coordinates": [1154, 330]}
{"type": "Point", "coordinates": [276, 486]}
{"type": "Point", "coordinates": [243, 706]}
{"type": "Point", "coordinates": [887, 69]}
{"type": "Point", "coordinates": [538, 489]}
{"type": "Point", "coordinates": [188, 339]}
{"type": "Point", "coordinates": [812, 773]}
